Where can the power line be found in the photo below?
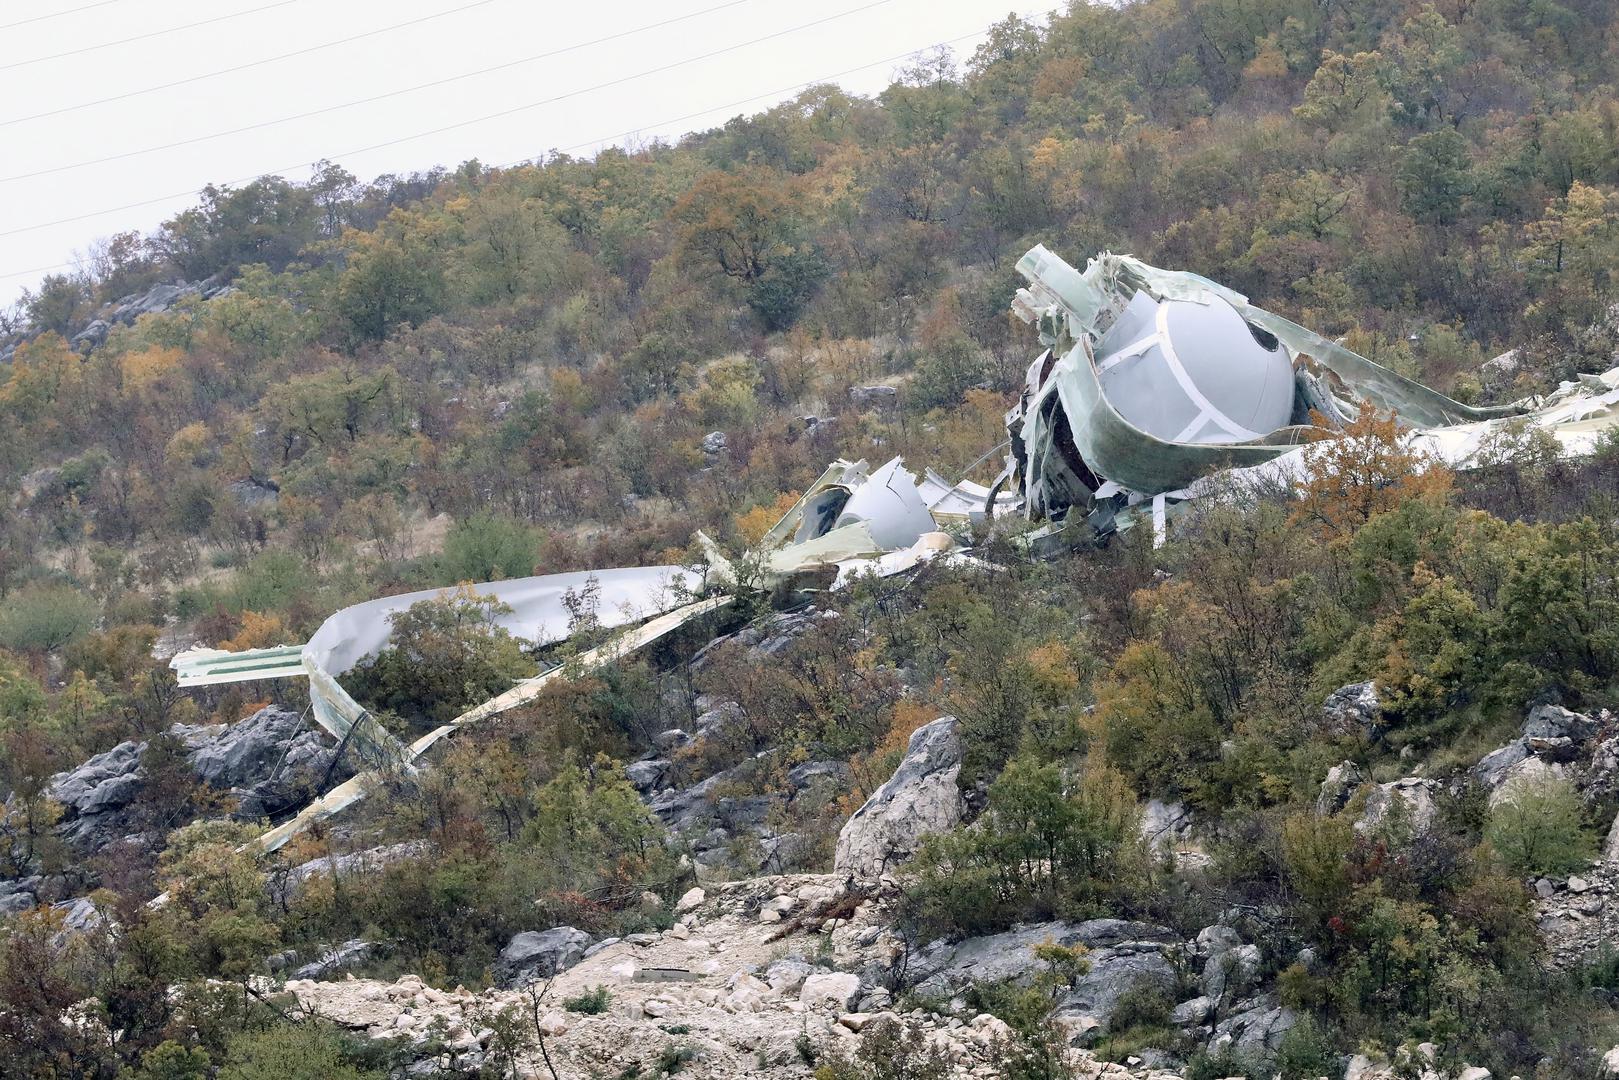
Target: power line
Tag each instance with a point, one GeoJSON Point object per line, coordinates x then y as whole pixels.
{"type": "Point", "coordinates": [743, 101]}
{"type": "Point", "coordinates": [374, 98]}
{"type": "Point", "coordinates": [631, 131]}
{"type": "Point", "coordinates": [146, 36]}
{"type": "Point", "coordinates": [603, 139]}
{"type": "Point", "coordinates": [244, 67]}
{"type": "Point", "coordinates": [460, 124]}
{"type": "Point", "coordinates": [57, 14]}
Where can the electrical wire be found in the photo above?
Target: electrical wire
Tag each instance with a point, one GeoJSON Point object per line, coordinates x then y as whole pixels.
{"type": "Point", "coordinates": [188, 80]}
{"type": "Point", "coordinates": [373, 98]}
{"type": "Point", "coordinates": [462, 123]}
{"type": "Point", "coordinates": [57, 14]}
{"type": "Point", "coordinates": [744, 101]}
{"type": "Point", "coordinates": [145, 37]}
{"type": "Point", "coordinates": [579, 145]}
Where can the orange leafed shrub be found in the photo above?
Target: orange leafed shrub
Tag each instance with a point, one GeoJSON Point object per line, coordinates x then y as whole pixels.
{"type": "Point", "coordinates": [1365, 470]}
{"type": "Point", "coordinates": [257, 632]}
{"type": "Point", "coordinates": [871, 770]}
{"type": "Point", "coordinates": [756, 522]}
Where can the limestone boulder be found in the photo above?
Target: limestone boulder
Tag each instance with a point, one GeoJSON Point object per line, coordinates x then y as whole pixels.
{"type": "Point", "coordinates": [1355, 709]}
{"type": "Point", "coordinates": [540, 954]}
{"type": "Point", "coordinates": [920, 798]}
{"type": "Point", "coordinates": [835, 990]}
{"type": "Point", "coordinates": [1343, 780]}
{"type": "Point", "coordinates": [1409, 801]}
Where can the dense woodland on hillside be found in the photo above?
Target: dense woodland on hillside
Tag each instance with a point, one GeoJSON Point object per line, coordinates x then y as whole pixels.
{"type": "Point", "coordinates": [473, 374]}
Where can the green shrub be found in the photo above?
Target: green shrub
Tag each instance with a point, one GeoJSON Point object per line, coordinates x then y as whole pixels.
{"type": "Point", "coordinates": [444, 656]}
{"type": "Point", "coordinates": [1142, 1005]}
{"type": "Point", "coordinates": [1537, 828]}
{"type": "Point", "coordinates": [269, 582]}
{"type": "Point", "coordinates": [170, 1060]}
{"type": "Point", "coordinates": [312, 1051]}
{"type": "Point", "coordinates": [1305, 1052]}
{"type": "Point", "coordinates": [486, 547]}
{"type": "Point", "coordinates": [592, 1002]}
{"type": "Point", "coordinates": [889, 1051]}
{"type": "Point", "coordinates": [1049, 845]}
{"type": "Point", "coordinates": [1205, 1065]}
{"type": "Point", "coordinates": [45, 617]}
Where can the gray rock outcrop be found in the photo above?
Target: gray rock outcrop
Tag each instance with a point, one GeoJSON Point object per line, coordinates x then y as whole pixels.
{"type": "Point", "coordinates": [1551, 738]}
{"type": "Point", "coordinates": [1124, 956]}
{"type": "Point", "coordinates": [92, 337]}
{"type": "Point", "coordinates": [20, 894]}
{"type": "Point", "coordinates": [1354, 710]}
{"type": "Point", "coordinates": [1163, 825]}
{"type": "Point", "coordinates": [1529, 775]}
{"type": "Point", "coordinates": [1343, 780]}
{"type": "Point", "coordinates": [269, 761]}
{"type": "Point", "coordinates": [1231, 972]}
{"type": "Point", "coordinates": [1408, 801]}
{"type": "Point", "coordinates": [647, 775]}
{"type": "Point", "coordinates": [1256, 1027]}
{"type": "Point", "coordinates": [540, 954]}
{"type": "Point", "coordinates": [920, 798]}
{"type": "Point", "coordinates": [285, 887]}
{"type": "Point", "coordinates": [864, 396]}
{"type": "Point", "coordinates": [337, 958]}
{"type": "Point", "coordinates": [1556, 722]}
{"type": "Point", "coordinates": [1492, 769]}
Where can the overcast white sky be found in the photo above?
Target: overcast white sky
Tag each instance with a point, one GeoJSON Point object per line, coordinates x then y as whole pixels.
{"type": "Point", "coordinates": [34, 78]}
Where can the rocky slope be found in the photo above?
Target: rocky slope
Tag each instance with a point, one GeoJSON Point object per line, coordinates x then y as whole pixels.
{"type": "Point", "coordinates": [125, 311]}
{"type": "Point", "coordinates": [758, 978]}
{"type": "Point", "coordinates": [268, 762]}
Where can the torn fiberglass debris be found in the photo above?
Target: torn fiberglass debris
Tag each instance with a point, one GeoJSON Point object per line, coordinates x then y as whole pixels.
{"type": "Point", "coordinates": [1152, 380]}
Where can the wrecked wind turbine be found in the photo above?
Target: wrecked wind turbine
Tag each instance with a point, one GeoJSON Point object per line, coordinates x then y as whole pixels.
{"type": "Point", "coordinates": [1153, 380]}
{"type": "Point", "coordinates": [1153, 384]}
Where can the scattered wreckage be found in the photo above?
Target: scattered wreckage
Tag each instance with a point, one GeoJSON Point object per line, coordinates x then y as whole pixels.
{"type": "Point", "coordinates": [851, 522]}
{"type": "Point", "coordinates": [1154, 387]}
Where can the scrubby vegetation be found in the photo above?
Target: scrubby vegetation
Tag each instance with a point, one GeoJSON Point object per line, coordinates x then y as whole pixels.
{"type": "Point", "coordinates": [474, 374]}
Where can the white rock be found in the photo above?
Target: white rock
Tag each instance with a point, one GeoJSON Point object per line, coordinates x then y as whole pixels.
{"type": "Point", "coordinates": [920, 798]}
{"type": "Point", "coordinates": [1078, 1030]}
{"type": "Point", "coordinates": [743, 999]}
{"type": "Point", "coordinates": [991, 1029]}
{"type": "Point", "coordinates": [1473, 1072]}
{"type": "Point", "coordinates": [835, 989]}
{"type": "Point", "coordinates": [1610, 1062]}
{"type": "Point", "coordinates": [786, 976]}
{"type": "Point", "coordinates": [690, 900]}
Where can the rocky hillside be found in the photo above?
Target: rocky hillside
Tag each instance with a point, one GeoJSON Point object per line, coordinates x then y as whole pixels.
{"type": "Point", "coordinates": [766, 977]}
{"type": "Point", "coordinates": [1324, 785]}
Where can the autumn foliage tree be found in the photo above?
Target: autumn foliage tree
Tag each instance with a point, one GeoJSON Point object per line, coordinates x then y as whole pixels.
{"type": "Point", "coordinates": [1363, 470]}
